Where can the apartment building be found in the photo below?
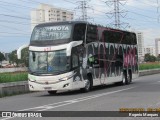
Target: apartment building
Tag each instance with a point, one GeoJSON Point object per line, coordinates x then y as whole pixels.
{"type": "Point", "coordinates": [140, 40]}
{"type": "Point", "coordinates": [49, 13]}
{"type": "Point", "coordinates": [157, 46]}
{"type": "Point", "coordinates": [150, 50]}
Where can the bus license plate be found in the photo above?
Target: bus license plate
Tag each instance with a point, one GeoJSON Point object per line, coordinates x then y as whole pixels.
{"type": "Point", "coordinates": [47, 88]}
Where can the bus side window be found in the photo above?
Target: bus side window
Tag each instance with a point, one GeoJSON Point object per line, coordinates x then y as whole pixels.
{"type": "Point", "coordinates": [91, 33]}
{"type": "Point", "coordinates": [79, 32]}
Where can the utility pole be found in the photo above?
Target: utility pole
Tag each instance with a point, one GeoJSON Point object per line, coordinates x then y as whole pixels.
{"type": "Point", "coordinates": [83, 6]}
{"type": "Point", "coordinates": [117, 12]}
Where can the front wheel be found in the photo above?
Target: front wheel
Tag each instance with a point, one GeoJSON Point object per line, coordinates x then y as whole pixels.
{"type": "Point", "coordinates": [88, 85]}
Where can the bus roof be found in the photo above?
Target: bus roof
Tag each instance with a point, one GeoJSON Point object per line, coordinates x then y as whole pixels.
{"type": "Point", "coordinates": [59, 23]}
{"type": "Point", "coordinates": [75, 22]}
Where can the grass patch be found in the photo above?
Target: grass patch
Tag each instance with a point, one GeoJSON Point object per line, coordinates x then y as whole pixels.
{"type": "Point", "coordinates": [13, 77]}
{"type": "Point", "coordinates": [149, 65]}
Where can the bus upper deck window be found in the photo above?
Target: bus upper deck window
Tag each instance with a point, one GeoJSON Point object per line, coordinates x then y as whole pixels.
{"type": "Point", "coordinates": [79, 32]}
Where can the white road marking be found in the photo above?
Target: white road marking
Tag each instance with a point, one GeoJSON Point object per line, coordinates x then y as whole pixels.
{"type": "Point", "coordinates": [64, 103]}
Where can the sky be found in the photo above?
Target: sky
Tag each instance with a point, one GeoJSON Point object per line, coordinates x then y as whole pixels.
{"type": "Point", "coordinates": [137, 16]}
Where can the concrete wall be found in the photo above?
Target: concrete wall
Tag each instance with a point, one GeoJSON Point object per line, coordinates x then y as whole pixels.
{"type": "Point", "coordinates": [149, 72]}
{"type": "Point", "coordinates": [4, 70]}
{"type": "Point", "coordinates": [13, 88]}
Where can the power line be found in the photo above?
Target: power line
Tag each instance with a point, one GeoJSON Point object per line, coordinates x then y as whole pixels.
{"type": "Point", "coordinates": [146, 3]}
{"type": "Point", "coordinates": [14, 33]}
{"type": "Point", "coordinates": [142, 15]}
{"type": "Point", "coordinates": [14, 22]}
{"type": "Point", "coordinates": [8, 27]}
{"type": "Point", "coordinates": [13, 16]}
{"type": "Point", "coordinates": [15, 5]}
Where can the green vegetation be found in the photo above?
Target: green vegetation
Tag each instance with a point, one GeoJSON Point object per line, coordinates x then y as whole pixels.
{"type": "Point", "coordinates": [24, 58]}
{"type": "Point", "coordinates": [13, 77]}
{"type": "Point", "coordinates": [149, 65]}
{"type": "Point", "coordinates": [1, 59]}
{"type": "Point", "coordinates": [149, 58]}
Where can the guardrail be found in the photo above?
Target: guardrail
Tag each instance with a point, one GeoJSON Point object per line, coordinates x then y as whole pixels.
{"type": "Point", "coordinates": [22, 86]}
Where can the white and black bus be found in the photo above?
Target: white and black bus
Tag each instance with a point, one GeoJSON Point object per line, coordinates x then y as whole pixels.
{"type": "Point", "coordinates": [80, 55]}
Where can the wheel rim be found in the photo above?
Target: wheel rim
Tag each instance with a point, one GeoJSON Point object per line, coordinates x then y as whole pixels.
{"type": "Point", "coordinates": [123, 80]}
{"type": "Point", "coordinates": [87, 84]}
{"type": "Point", "coordinates": [129, 79]}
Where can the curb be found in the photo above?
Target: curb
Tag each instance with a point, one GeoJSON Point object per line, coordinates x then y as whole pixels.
{"type": "Point", "coordinates": [149, 72]}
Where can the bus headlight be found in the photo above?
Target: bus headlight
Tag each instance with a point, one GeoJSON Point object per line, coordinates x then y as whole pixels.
{"type": "Point", "coordinates": [67, 77]}
{"type": "Point", "coordinates": [31, 80]}
{"type": "Point", "coordinates": [64, 79]}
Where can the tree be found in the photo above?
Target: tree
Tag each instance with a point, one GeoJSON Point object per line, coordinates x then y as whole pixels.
{"type": "Point", "coordinates": [152, 58]}
{"type": "Point", "coordinates": [13, 58]}
{"type": "Point", "coordinates": [1, 58]}
{"type": "Point", "coordinates": [149, 58]}
{"type": "Point", "coordinates": [158, 58]}
{"type": "Point", "coordinates": [24, 58]}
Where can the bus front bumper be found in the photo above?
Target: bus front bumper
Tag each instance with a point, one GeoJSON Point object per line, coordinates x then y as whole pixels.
{"type": "Point", "coordinates": [62, 85]}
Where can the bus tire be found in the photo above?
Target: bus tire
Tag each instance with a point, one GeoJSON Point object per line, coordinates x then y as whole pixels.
{"type": "Point", "coordinates": [52, 92]}
{"type": "Point", "coordinates": [124, 79]}
{"type": "Point", "coordinates": [127, 79]}
{"type": "Point", "coordinates": [88, 84]}
{"type": "Point", "coordinates": [130, 76]}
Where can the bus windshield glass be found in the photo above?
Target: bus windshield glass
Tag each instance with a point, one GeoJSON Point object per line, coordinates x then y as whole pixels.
{"type": "Point", "coordinates": [48, 62]}
{"type": "Point", "coordinates": [51, 33]}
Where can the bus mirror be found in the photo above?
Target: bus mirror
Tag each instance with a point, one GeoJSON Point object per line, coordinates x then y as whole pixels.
{"type": "Point", "coordinates": [19, 51]}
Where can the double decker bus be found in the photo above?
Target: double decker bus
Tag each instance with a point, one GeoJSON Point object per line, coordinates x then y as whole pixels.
{"type": "Point", "coordinates": [79, 55]}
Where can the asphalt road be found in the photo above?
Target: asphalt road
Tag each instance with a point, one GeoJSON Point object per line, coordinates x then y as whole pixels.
{"type": "Point", "coordinates": [144, 92]}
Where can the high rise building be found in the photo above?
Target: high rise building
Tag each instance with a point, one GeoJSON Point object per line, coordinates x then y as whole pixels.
{"type": "Point", "coordinates": [157, 46]}
{"type": "Point", "coordinates": [49, 13]}
{"type": "Point", "coordinates": [140, 41]}
{"type": "Point", "coordinates": [150, 50]}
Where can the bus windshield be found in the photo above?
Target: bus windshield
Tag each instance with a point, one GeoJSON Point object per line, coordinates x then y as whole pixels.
{"type": "Point", "coordinates": [51, 33]}
{"type": "Point", "coordinates": [48, 62]}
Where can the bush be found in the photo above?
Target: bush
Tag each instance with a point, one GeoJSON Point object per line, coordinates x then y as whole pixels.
{"type": "Point", "coordinates": [13, 77]}
{"type": "Point", "coordinates": [149, 65]}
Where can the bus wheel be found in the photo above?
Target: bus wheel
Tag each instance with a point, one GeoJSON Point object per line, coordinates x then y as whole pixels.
{"type": "Point", "coordinates": [124, 79]}
{"type": "Point", "coordinates": [52, 92]}
{"type": "Point", "coordinates": [88, 84]}
{"type": "Point", "coordinates": [130, 76]}
{"type": "Point", "coordinates": [127, 78]}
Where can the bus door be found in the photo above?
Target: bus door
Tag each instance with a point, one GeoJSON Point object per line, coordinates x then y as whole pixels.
{"type": "Point", "coordinates": [76, 63]}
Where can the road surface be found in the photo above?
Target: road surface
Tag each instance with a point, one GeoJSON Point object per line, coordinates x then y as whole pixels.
{"type": "Point", "coordinates": [144, 92]}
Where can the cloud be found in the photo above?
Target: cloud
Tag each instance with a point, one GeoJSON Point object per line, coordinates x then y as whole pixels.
{"type": "Point", "coordinates": [142, 3]}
